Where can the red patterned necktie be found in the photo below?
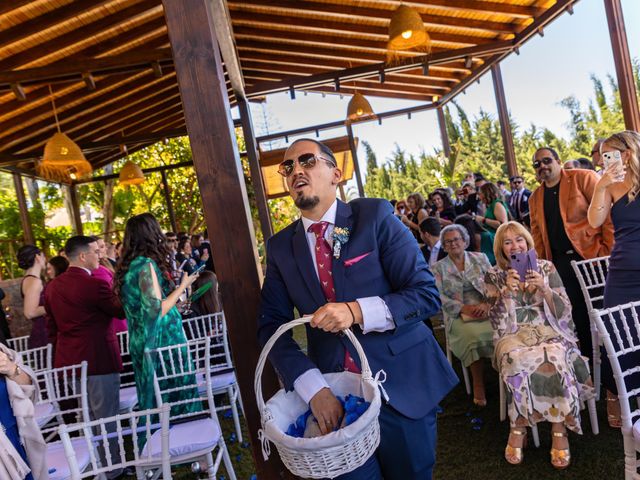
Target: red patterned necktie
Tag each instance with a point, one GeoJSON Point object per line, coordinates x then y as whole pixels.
{"type": "Point", "coordinates": [325, 274]}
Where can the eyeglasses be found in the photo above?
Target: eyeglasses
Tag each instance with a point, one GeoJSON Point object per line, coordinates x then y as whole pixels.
{"type": "Point", "coordinates": [517, 182]}
{"type": "Point", "coordinates": [452, 241]}
{"type": "Point", "coordinates": [306, 161]}
{"type": "Point", "coordinates": [545, 160]}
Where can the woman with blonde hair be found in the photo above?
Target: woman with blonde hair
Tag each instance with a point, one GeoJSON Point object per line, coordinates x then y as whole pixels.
{"type": "Point", "coordinates": [536, 351]}
{"type": "Point", "coordinates": [616, 194]}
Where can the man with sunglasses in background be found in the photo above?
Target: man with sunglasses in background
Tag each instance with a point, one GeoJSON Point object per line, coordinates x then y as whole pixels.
{"type": "Point", "coordinates": [354, 265]}
{"type": "Point", "coordinates": [519, 201]}
{"type": "Point", "coordinates": [560, 229]}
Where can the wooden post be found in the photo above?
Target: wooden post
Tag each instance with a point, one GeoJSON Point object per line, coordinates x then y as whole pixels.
{"type": "Point", "coordinates": [622, 60]}
{"type": "Point", "coordinates": [505, 125]}
{"type": "Point", "coordinates": [226, 209]}
{"type": "Point", "coordinates": [354, 157]}
{"type": "Point", "coordinates": [254, 167]}
{"type": "Point", "coordinates": [167, 200]}
{"type": "Point", "coordinates": [446, 146]}
{"type": "Point", "coordinates": [76, 220]}
{"type": "Point", "coordinates": [27, 231]}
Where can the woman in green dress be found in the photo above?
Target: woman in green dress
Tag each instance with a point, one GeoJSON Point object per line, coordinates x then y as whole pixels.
{"type": "Point", "coordinates": [496, 214]}
{"type": "Point", "coordinates": [149, 299]}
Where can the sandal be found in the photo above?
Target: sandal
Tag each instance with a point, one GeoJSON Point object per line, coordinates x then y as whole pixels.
{"type": "Point", "coordinates": [560, 457]}
{"type": "Point", "coordinates": [514, 455]}
{"type": "Point", "coordinates": [613, 418]}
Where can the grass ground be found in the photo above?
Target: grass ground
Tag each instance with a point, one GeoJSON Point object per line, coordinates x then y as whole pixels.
{"type": "Point", "coordinates": [465, 453]}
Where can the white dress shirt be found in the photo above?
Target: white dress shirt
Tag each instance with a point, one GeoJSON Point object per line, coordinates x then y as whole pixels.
{"type": "Point", "coordinates": [376, 316]}
{"type": "Point", "coordinates": [433, 256]}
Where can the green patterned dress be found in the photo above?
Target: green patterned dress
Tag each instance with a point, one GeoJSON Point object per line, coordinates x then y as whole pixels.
{"type": "Point", "coordinates": [149, 330]}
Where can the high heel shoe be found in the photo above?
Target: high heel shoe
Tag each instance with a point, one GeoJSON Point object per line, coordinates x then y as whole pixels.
{"type": "Point", "coordinates": [613, 418]}
{"type": "Point", "coordinates": [560, 457]}
{"type": "Point", "coordinates": [514, 455]}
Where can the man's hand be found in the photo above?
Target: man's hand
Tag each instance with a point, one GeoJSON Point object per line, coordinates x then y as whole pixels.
{"type": "Point", "coordinates": [334, 317]}
{"type": "Point", "coordinates": [327, 410]}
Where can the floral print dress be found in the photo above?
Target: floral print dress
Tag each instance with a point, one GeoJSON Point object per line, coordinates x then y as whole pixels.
{"type": "Point", "coordinates": [536, 354]}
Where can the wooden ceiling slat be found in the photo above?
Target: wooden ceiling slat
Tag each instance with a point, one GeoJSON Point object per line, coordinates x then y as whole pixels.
{"type": "Point", "coordinates": [327, 9]}
{"type": "Point", "coordinates": [10, 5]}
{"type": "Point", "coordinates": [484, 7]}
{"type": "Point", "coordinates": [375, 93]}
{"type": "Point", "coordinates": [35, 52]}
{"type": "Point", "coordinates": [40, 23]}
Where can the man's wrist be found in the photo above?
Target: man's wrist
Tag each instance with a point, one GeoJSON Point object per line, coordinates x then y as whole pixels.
{"type": "Point", "coordinates": [356, 312]}
{"type": "Point", "coordinates": [16, 372]}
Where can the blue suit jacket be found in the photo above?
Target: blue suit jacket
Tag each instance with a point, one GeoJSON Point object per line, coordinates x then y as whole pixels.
{"type": "Point", "coordinates": [418, 374]}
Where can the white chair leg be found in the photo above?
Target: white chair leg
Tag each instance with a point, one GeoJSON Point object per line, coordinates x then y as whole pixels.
{"type": "Point", "coordinates": [234, 412]}
{"type": "Point", "coordinates": [449, 356]}
{"type": "Point", "coordinates": [536, 437]}
{"type": "Point", "coordinates": [227, 460]}
{"type": "Point", "coordinates": [467, 382]}
{"type": "Point", "coordinates": [595, 340]}
{"type": "Point", "coordinates": [593, 416]}
{"type": "Point", "coordinates": [503, 401]}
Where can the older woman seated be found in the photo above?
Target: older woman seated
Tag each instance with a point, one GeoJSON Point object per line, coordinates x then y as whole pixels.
{"type": "Point", "coordinates": [22, 448]}
{"type": "Point", "coordinates": [535, 347]}
{"type": "Point", "coordinates": [460, 280]}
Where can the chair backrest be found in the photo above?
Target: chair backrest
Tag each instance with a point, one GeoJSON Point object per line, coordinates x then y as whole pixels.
{"type": "Point", "coordinates": [127, 429]}
{"type": "Point", "coordinates": [177, 379]}
{"type": "Point", "coordinates": [204, 325]}
{"type": "Point", "coordinates": [19, 344]}
{"type": "Point", "coordinates": [213, 326]}
{"type": "Point", "coordinates": [592, 276]}
{"type": "Point", "coordinates": [66, 388]}
{"type": "Point", "coordinates": [127, 376]}
{"type": "Point", "coordinates": [38, 359]}
{"type": "Point", "coordinates": [619, 328]}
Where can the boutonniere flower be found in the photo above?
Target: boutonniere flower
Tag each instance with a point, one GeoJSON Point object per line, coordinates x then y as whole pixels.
{"type": "Point", "coordinates": [340, 237]}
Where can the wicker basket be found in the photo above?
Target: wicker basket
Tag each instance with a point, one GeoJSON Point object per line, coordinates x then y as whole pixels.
{"type": "Point", "coordinates": [333, 454]}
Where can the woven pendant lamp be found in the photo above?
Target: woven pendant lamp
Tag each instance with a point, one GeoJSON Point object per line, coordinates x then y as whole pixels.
{"type": "Point", "coordinates": [131, 174]}
{"type": "Point", "coordinates": [63, 159]}
{"type": "Point", "coordinates": [359, 109]}
{"type": "Point", "coordinates": [406, 32]}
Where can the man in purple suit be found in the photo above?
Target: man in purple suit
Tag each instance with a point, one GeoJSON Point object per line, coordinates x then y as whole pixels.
{"type": "Point", "coordinates": [81, 308]}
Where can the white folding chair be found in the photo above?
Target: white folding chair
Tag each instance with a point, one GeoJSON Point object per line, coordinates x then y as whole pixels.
{"type": "Point", "coordinates": [128, 392]}
{"type": "Point", "coordinates": [224, 381]}
{"type": "Point", "coordinates": [66, 388]}
{"type": "Point", "coordinates": [194, 435]}
{"type": "Point", "coordinates": [128, 428]}
{"type": "Point", "coordinates": [619, 330]}
{"type": "Point", "coordinates": [19, 344]}
{"type": "Point", "coordinates": [38, 359]}
{"type": "Point", "coordinates": [592, 276]}
{"type": "Point", "coordinates": [465, 371]}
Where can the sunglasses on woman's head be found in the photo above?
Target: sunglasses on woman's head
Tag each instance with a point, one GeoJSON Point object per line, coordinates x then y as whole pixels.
{"type": "Point", "coordinates": [306, 161]}
{"type": "Point", "coordinates": [545, 160]}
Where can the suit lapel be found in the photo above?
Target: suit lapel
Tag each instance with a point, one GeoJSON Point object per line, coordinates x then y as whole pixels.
{"type": "Point", "coordinates": [344, 219]}
{"type": "Point", "coordinates": [302, 257]}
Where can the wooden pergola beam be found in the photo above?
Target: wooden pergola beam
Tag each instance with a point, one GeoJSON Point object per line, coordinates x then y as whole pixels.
{"type": "Point", "coordinates": [505, 124]}
{"type": "Point", "coordinates": [161, 168]}
{"type": "Point", "coordinates": [76, 220]}
{"type": "Point", "coordinates": [444, 135]}
{"type": "Point", "coordinates": [225, 37]}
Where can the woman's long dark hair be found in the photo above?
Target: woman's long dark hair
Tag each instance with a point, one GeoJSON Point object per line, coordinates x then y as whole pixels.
{"type": "Point", "coordinates": [210, 300]}
{"type": "Point", "coordinates": [142, 238]}
{"type": "Point", "coordinates": [444, 195]}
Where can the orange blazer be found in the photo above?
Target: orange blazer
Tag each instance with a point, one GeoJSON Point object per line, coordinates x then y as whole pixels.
{"type": "Point", "coordinates": [576, 190]}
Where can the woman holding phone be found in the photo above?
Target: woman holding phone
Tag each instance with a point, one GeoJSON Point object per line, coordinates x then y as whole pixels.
{"type": "Point", "coordinates": [616, 193]}
{"type": "Point", "coordinates": [149, 296]}
{"type": "Point", "coordinates": [536, 351]}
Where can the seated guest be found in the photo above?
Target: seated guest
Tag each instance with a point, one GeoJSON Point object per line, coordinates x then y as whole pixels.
{"type": "Point", "coordinates": [210, 301]}
{"type": "Point", "coordinates": [472, 229]}
{"type": "Point", "coordinates": [585, 163]}
{"type": "Point", "coordinates": [32, 260]}
{"type": "Point", "coordinates": [401, 208]}
{"type": "Point", "coordinates": [471, 203]}
{"type": "Point", "coordinates": [536, 351]}
{"type": "Point", "coordinates": [111, 254]}
{"type": "Point", "coordinates": [416, 214]}
{"type": "Point", "coordinates": [496, 214]}
{"type": "Point", "coordinates": [430, 234]}
{"type": "Point", "coordinates": [571, 165]}
{"type": "Point", "coordinates": [185, 257]}
{"type": "Point", "coordinates": [22, 449]}
{"type": "Point", "coordinates": [443, 208]}
{"type": "Point", "coordinates": [56, 266]}
{"type": "Point", "coordinates": [81, 308]}
{"type": "Point", "coordinates": [460, 280]}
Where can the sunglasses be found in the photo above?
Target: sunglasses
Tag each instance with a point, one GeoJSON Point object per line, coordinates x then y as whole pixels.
{"type": "Point", "coordinates": [306, 161]}
{"type": "Point", "coordinates": [545, 160]}
{"type": "Point", "coordinates": [517, 182]}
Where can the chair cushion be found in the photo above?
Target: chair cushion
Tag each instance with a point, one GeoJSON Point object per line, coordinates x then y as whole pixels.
{"type": "Point", "coordinates": [636, 430]}
{"type": "Point", "coordinates": [44, 413]}
{"type": "Point", "coordinates": [218, 381]}
{"type": "Point", "coordinates": [128, 399]}
{"type": "Point", "coordinates": [185, 438]}
{"type": "Point", "coordinates": [57, 461]}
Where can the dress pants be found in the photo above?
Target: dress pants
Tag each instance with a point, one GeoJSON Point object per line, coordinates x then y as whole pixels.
{"type": "Point", "coordinates": [407, 448]}
{"type": "Point", "coordinates": [103, 393]}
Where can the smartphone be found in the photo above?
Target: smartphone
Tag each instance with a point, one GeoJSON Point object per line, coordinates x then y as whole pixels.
{"type": "Point", "coordinates": [611, 159]}
{"type": "Point", "coordinates": [199, 269]}
{"type": "Point", "coordinates": [521, 262]}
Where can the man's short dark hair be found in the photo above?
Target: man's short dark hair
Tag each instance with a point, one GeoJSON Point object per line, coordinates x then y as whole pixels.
{"type": "Point", "coordinates": [478, 176]}
{"type": "Point", "coordinates": [170, 234]}
{"type": "Point", "coordinates": [585, 163]}
{"type": "Point", "coordinates": [515, 177]}
{"type": "Point", "coordinates": [554, 154]}
{"type": "Point", "coordinates": [323, 148]}
{"type": "Point", "coordinates": [77, 245]}
{"type": "Point", "coordinates": [500, 183]}
{"type": "Point", "coordinates": [431, 226]}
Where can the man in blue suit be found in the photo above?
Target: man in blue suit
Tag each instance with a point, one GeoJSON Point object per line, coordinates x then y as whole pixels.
{"type": "Point", "coordinates": [354, 265]}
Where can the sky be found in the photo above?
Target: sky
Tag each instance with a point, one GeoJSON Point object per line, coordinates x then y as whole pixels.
{"type": "Point", "coordinates": [548, 69]}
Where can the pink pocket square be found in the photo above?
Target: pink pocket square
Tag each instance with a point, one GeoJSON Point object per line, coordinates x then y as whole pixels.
{"type": "Point", "coordinates": [354, 260]}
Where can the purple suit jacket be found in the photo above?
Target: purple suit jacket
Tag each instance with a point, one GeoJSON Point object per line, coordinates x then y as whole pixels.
{"type": "Point", "coordinates": [81, 309]}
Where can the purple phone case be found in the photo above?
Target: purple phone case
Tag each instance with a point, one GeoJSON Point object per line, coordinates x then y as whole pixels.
{"type": "Point", "coordinates": [521, 262]}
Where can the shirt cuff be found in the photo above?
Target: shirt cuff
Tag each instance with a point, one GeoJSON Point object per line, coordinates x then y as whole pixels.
{"type": "Point", "coordinates": [309, 383]}
{"type": "Point", "coordinates": [376, 316]}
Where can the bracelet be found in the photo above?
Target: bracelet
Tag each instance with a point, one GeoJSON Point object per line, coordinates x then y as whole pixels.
{"type": "Point", "coordinates": [484, 220]}
{"type": "Point", "coordinates": [16, 372]}
{"type": "Point", "coordinates": [352, 315]}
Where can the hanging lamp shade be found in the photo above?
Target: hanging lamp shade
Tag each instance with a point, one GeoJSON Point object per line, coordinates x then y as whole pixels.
{"type": "Point", "coordinates": [63, 160]}
{"type": "Point", "coordinates": [406, 31]}
{"type": "Point", "coordinates": [131, 174]}
{"type": "Point", "coordinates": [359, 109]}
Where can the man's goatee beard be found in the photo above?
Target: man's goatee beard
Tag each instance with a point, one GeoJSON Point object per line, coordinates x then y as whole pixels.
{"type": "Point", "coordinates": [306, 203]}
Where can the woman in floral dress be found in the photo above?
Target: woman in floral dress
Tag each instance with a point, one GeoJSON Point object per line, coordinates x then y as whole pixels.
{"type": "Point", "coordinates": [536, 354]}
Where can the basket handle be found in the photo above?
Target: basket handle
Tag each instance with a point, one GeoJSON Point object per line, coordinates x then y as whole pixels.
{"type": "Point", "coordinates": [257, 384]}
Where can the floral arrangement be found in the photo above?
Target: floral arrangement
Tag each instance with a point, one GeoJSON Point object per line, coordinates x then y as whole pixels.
{"type": "Point", "coordinates": [340, 237]}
